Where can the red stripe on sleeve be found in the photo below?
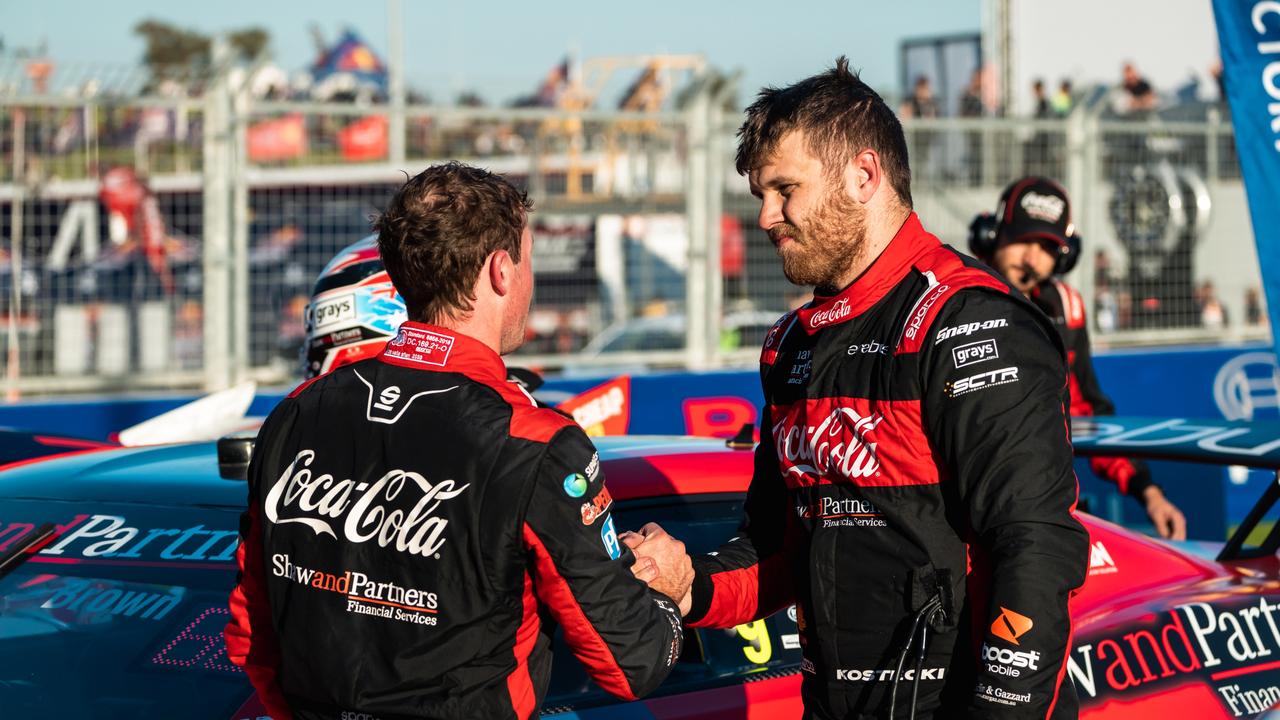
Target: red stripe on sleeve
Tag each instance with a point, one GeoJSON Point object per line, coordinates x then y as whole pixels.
{"type": "Point", "coordinates": [251, 637]}
{"type": "Point", "coordinates": [524, 699]}
{"type": "Point", "coordinates": [740, 597]}
{"type": "Point", "coordinates": [581, 635]}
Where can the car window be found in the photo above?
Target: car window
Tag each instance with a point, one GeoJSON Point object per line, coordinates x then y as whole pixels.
{"type": "Point", "coordinates": [121, 616]}
{"type": "Point", "coordinates": [711, 657]}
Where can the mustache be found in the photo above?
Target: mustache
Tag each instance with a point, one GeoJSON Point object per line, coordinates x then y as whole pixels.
{"type": "Point", "coordinates": [1029, 274]}
{"type": "Point", "coordinates": [781, 230]}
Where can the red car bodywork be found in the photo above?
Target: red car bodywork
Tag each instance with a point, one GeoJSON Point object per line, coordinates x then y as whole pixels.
{"type": "Point", "coordinates": [1158, 633]}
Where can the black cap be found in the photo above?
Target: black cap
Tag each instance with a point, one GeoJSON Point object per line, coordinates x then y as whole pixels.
{"type": "Point", "coordinates": [1035, 208]}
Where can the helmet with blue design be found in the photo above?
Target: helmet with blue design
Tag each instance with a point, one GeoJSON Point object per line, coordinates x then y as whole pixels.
{"type": "Point", "coordinates": [354, 310]}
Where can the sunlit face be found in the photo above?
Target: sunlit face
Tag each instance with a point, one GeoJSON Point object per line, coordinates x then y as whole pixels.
{"type": "Point", "coordinates": [517, 311]}
{"type": "Point", "coordinates": [1026, 264]}
{"type": "Point", "coordinates": [818, 229]}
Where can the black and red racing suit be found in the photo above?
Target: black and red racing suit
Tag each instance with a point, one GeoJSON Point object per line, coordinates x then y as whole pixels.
{"type": "Point", "coordinates": [914, 444]}
{"type": "Point", "coordinates": [1064, 306]}
{"type": "Point", "coordinates": [413, 520]}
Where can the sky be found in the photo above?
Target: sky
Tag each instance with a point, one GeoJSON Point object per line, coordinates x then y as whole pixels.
{"type": "Point", "coordinates": [503, 49]}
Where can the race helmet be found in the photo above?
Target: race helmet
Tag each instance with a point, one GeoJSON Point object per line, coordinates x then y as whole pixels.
{"type": "Point", "coordinates": [354, 310]}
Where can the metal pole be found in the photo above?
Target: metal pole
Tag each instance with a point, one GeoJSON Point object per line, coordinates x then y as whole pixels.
{"type": "Point", "coordinates": [395, 82]}
{"type": "Point", "coordinates": [716, 164]}
{"type": "Point", "coordinates": [696, 215]}
{"type": "Point", "coordinates": [217, 289]}
{"type": "Point", "coordinates": [237, 178]}
{"type": "Point", "coordinates": [14, 358]}
{"type": "Point", "coordinates": [1078, 188]}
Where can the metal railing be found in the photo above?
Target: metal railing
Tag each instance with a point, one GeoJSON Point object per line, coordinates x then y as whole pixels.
{"type": "Point", "coordinates": [646, 245]}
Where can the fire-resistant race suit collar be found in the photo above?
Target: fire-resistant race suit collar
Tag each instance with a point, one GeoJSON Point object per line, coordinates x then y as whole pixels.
{"type": "Point", "coordinates": [910, 243]}
{"type": "Point", "coordinates": [431, 347]}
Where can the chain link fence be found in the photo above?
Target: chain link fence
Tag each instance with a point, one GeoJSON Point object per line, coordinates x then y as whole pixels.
{"type": "Point", "coordinates": [174, 242]}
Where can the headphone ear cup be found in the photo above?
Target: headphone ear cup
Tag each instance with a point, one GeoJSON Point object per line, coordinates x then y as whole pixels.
{"type": "Point", "coordinates": [1069, 256]}
{"type": "Point", "coordinates": [982, 236]}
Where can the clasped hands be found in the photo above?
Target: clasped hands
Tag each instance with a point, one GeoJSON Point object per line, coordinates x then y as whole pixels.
{"type": "Point", "coordinates": [662, 563]}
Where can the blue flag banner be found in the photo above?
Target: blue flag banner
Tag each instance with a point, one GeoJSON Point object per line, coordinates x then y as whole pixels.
{"type": "Point", "coordinates": [1249, 36]}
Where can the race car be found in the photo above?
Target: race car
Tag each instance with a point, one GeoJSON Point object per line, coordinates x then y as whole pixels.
{"type": "Point", "coordinates": [115, 565]}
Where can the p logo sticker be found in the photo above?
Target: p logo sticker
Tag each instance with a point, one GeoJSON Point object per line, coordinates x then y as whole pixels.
{"type": "Point", "coordinates": [610, 539]}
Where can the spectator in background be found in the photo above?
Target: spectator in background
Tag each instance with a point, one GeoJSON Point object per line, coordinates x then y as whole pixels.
{"type": "Point", "coordinates": [1062, 100]}
{"type": "Point", "coordinates": [922, 104]}
{"type": "Point", "coordinates": [1253, 314]}
{"type": "Point", "coordinates": [1038, 150]}
{"type": "Point", "coordinates": [1212, 314]}
{"type": "Point", "coordinates": [971, 107]}
{"type": "Point", "coordinates": [1041, 100]}
{"type": "Point", "coordinates": [1139, 97]}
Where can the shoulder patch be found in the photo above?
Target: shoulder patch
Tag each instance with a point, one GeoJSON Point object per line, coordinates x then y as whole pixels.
{"type": "Point", "coordinates": [947, 274]}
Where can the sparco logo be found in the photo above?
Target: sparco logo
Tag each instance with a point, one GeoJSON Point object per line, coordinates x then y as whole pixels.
{"type": "Point", "coordinates": [974, 353]}
{"type": "Point", "coordinates": [1043, 207]}
{"type": "Point", "coordinates": [837, 443]}
{"type": "Point", "coordinates": [923, 310]}
{"type": "Point", "coordinates": [375, 514]}
{"type": "Point", "coordinates": [969, 328]}
{"type": "Point", "coordinates": [837, 312]}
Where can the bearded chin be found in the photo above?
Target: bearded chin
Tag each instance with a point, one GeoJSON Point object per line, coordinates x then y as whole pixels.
{"type": "Point", "coordinates": [834, 242]}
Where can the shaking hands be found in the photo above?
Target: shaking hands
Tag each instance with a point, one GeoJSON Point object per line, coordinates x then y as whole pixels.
{"type": "Point", "coordinates": [662, 563]}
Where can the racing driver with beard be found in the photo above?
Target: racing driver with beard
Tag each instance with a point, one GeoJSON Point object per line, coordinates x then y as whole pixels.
{"type": "Point", "coordinates": [913, 491]}
{"type": "Point", "coordinates": [416, 521]}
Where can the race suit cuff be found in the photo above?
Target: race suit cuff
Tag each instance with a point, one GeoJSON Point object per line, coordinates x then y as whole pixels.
{"type": "Point", "coordinates": [1138, 484]}
{"type": "Point", "coordinates": [701, 592]}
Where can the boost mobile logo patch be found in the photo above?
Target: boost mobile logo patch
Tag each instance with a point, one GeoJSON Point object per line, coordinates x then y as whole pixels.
{"type": "Point", "coordinates": [1011, 625]}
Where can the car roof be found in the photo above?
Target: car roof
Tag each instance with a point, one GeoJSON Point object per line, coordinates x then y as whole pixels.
{"type": "Point", "coordinates": [635, 466]}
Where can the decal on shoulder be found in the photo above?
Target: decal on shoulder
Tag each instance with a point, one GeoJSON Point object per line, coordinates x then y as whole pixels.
{"type": "Point", "coordinates": [609, 537]}
{"type": "Point", "coordinates": [575, 485]}
{"type": "Point", "coordinates": [974, 352]}
{"type": "Point", "coordinates": [947, 333]}
{"type": "Point", "coordinates": [596, 507]}
{"type": "Point", "coordinates": [981, 381]}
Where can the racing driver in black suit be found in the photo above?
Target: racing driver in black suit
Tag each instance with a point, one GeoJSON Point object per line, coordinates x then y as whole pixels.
{"type": "Point", "coordinates": [415, 519]}
{"type": "Point", "coordinates": [913, 490]}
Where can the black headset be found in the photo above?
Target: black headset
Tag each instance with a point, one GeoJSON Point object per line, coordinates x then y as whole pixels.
{"type": "Point", "coordinates": [984, 237]}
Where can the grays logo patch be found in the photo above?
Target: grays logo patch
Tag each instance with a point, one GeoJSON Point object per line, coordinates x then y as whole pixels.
{"type": "Point", "coordinates": [982, 381]}
{"type": "Point", "coordinates": [975, 352]}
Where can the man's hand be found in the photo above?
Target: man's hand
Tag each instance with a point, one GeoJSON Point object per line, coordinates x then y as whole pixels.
{"type": "Point", "coordinates": [674, 567]}
{"type": "Point", "coordinates": [645, 570]}
{"type": "Point", "coordinates": [1166, 516]}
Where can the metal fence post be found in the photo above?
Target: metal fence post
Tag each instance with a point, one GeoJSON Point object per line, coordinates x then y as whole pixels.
{"type": "Point", "coordinates": [697, 212]}
{"type": "Point", "coordinates": [216, 226]}
{"type": "Point", "coordinates": [1080, 189]}
{"type": "Point", "coordinates": [395, 83]}
{"type": "Point", "coordinates": [237, 178]}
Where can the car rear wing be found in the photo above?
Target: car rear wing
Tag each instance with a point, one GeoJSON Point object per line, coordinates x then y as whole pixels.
{"type": "Point", "coordinates": [1219, 442]}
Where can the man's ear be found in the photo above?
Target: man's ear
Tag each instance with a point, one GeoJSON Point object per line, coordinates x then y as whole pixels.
{"type": "Point", "coordinates": [863, 175]}
{"type": "Point", "coordinates": [501, 271]}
